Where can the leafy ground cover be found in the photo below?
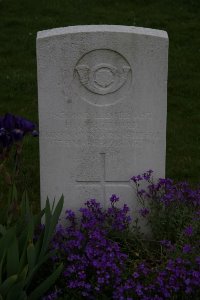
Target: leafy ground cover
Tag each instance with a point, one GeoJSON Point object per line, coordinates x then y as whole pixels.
{"type": "Point", "coordinates": [19, 23]}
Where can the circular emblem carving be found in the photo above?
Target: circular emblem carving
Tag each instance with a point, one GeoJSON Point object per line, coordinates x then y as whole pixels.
{"type": "Point", "coordinates": [103, 76]}
{"type": "Point", "coordinates": [102, 72]}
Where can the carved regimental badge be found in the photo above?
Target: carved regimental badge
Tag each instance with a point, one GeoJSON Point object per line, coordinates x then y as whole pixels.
{"type": "Point", "coordinates": [103, 72]}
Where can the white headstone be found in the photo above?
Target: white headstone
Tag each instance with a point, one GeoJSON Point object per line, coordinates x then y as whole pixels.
{"type": "Point", "coordinates": [102, 110]}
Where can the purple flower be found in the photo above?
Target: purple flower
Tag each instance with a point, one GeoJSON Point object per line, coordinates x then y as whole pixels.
{"type": "Point", "coordinates": [168, 245]}
{"type": "Point", "coordinates": [187, 248]}
{"type": "Point", "coordinates": [198, 260]}
{"type": "Point", "coordinates": [144, 212]}
{"type": "Point", "coordinates": [52, 295]}
{"type": "Point", "coordinates": [11, 122]}
{"type": "Point", "coordinates": [35, 133]}
{"type": "Point", "coordinates": [13, 128]}
{"type": "Point", "coordinates": [26, 125]}
{"type": "Point", "coordinates": [188, 231]}
{"type": "Point", "coordinates": [5, 139]}
{"type": "Point", "coordinates": [141, 192]}
{"type": "Point", "coordinates": [147, 175]}
{"type": "Point", "coordinates": [8, 122]}
{"type": "Point", "coordinates": [70, 214]}
{"type": "Point", "coordinates": [17, 134]}
{"type": "Point", "coordinates": [114, 198]}
{"type": "Point", "coordinates": [136, 178]}
{"type": "Point", "coordinates": [136, 275]}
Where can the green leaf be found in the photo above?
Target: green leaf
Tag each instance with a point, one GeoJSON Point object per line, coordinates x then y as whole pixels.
{"type": "Point", "coordinates": [30, 227]}
{"type": "Point", "coordinates": [23, 204]}
{"type": "Point", "coordinates": [2, 229]}
{"type": "Point", "coordinates": [13, 258]}
{"type": "Point", "coordinates": [7, 284]}
{"type": "Point", "coordinates": [17, 292]}
{"type": "Point", "coordinates": [38, 245]}
{"type": "Point", "coordinates": [31, 256]}
{"type": "Point", "coordinates": [42, 288]}
{"type": "Point", "coordinates": [6, 240]}
{"type": "Point", "coordinates": [14, 193]}
{"type": "Point", "coordinates": [32, 272]}
{"type": "Point", "coordinates": [50, 223]}
{"type": "Point", "coordinates": [46, 229]}
{"type": "Point", "coordinates": [38, 217]}
{"type": "Point", "coordinates": [53, 205]}
{"type": "Point", "coordinates": [23, 274]}
{"type": "Point", "coordinates": [25, 207]}
{"type": "Point", "coordinates": [1, 266]}
{"type": "Point", "coordinates": [23, 242]}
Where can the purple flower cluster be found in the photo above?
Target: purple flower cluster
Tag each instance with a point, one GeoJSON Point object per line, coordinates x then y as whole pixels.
{"type": "Point", "coordinates": [94, 263]}
{"type": "Point", "coordinates": [171, 209]}
{"type": "Point", "coordinates": [144, 176]}
{"type": "Point", "coordinates": [176, 278]}
{"type": "Point", "coordinates": [13, 128]}
{"type": "Point", "coordinates": [166, 191]}
{"type": "Point", "coordinates": [99, 264]}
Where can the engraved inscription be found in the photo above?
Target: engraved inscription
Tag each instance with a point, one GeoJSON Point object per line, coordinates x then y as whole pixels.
{"type": "Point", "coordinates": [102, 77]}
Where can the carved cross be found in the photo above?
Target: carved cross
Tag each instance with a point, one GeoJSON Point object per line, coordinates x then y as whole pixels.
{"type": "Point", "coordinates": [103, 182]}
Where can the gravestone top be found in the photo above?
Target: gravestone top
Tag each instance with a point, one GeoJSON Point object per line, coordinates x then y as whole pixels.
{"type": "Point", "coordinates": [102, 93]}
{"type": "Point", "coordinates": [101, 28]}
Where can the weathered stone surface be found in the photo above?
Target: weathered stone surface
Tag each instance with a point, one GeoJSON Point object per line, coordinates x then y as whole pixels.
{"type": "Point", "coordinates": [102, 110]}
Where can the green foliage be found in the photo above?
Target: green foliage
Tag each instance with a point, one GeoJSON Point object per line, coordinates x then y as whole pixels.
{"type": "Point", "coordinates": [21, 254]}
{"type": "Point", "coordinates": [167, 222]}
{"type": "Point", "coordinates": [9, 211]}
